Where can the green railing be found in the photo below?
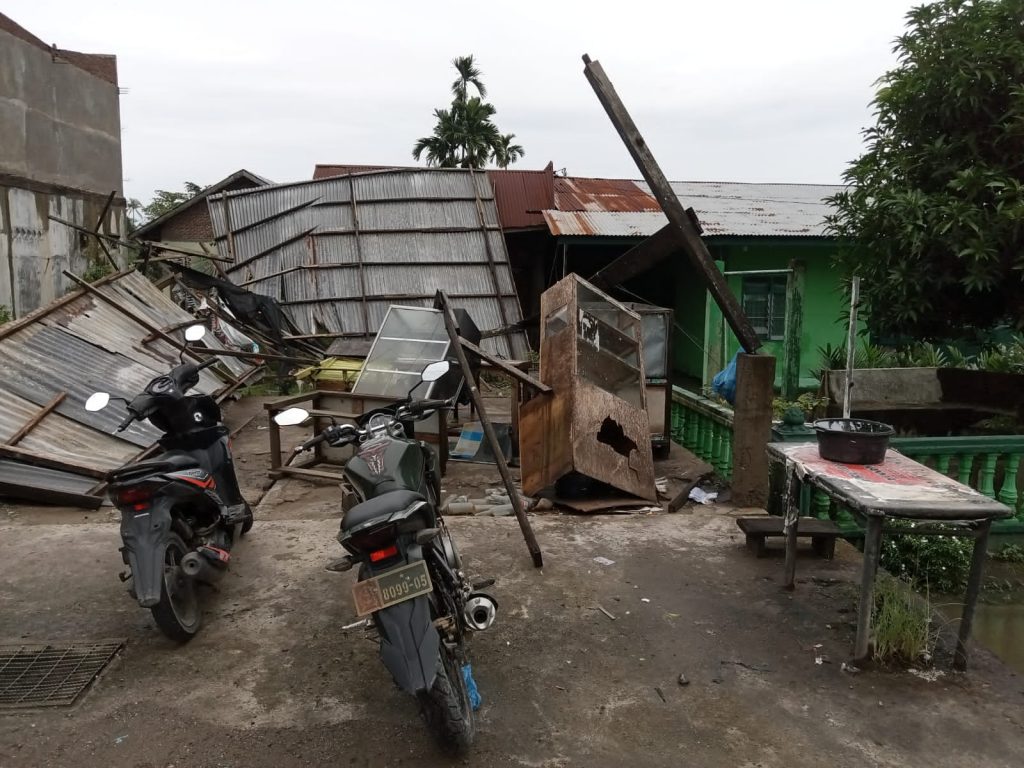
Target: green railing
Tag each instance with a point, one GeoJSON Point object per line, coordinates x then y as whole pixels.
{"type": "Point", "coordinates": [704, 427]}
{"type": "Point", "coordinates": [990, 465]}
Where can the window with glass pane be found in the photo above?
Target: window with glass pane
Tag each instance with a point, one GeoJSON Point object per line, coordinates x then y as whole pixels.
{"type": "Point", "coordinates": [764, 302]}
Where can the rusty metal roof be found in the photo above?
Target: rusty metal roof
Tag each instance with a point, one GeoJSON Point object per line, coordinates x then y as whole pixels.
{"type": "Point", "coordinates": [82, 344]}
{"type": "Point", "coordinates": [619, 208]}
{"type": "Point", "coordinates": [621, 195]}
{"type": "Point", "coordinates": [337, 252]}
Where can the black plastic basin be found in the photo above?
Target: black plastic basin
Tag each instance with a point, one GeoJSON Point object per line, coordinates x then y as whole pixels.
{"type": "Point", "coordinates": [853, 441]}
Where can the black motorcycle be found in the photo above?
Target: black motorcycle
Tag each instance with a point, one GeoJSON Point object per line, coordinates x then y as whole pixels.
{"type": "Point", "coordinates": [182, 510]}
{"type": "Point", "coordinates": [410, 578]}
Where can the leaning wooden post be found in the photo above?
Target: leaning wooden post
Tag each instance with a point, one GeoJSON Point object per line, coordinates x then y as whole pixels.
{"type": "Point", "coordinates": [492, 438]}
{"type": "Point", "coordinates": [794, 328]}
{"type": "Point", "coordinates": [752, 428]}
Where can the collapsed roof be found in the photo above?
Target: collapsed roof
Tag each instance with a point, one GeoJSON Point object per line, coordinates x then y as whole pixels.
{"type": "Point", "coordinates": [337, 252]}
{"type": "Point", "coordinates": [103, 339]}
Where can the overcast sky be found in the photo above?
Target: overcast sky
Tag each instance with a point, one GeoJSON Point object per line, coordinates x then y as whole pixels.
{"type": "Point", "coordinates": [738, 90]}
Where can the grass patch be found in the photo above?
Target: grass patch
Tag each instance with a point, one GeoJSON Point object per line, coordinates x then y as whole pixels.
{"type": "Point", "coordinates": [901, 622]}
{"type": "Point", "coordinates": [1011, 553]}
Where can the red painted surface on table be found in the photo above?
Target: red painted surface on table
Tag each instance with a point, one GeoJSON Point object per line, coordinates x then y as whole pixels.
{"type": "Point", "coordinates": [897, 469]}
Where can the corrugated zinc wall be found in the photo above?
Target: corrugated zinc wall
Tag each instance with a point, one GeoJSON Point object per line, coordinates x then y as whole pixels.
{"type": "Point", "coordinates": [336, 253]}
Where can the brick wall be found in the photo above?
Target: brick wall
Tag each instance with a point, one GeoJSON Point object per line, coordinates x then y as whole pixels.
{"type": "Point", "coordinates": [191, 225]}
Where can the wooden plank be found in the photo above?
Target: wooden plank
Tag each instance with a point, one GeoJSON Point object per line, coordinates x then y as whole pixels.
{"type": "Point", "coordinates": [441, 301]}
{"type": "Point", "coordinates": [772, 525]}
{"type": "Point", "coordinates": [67, 465]}
{"type": "Point", "coordinates": [316, 474]}
{"type": "Point", "coordinates": [41, 495]}
{"type": "Point", "coordinates": [682, 226]}
{"type": "Point", "coordinates": [638, 259]}
{"type": "Point", "coordinates": [511, 370]}
{"type": "Point", "coordinates": [32, 423]}
{"type": "Point", "coordinates": [752, 429]}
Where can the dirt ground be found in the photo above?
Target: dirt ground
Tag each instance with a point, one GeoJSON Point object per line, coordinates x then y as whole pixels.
{"type": "Point", "coordinates": [273, 680]}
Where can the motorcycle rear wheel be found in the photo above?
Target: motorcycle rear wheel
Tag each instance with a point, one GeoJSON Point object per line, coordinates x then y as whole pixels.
{"type": "Point", "coordinates": [446, 709]}
{"type": "Point", "coordinates": [178, 614]}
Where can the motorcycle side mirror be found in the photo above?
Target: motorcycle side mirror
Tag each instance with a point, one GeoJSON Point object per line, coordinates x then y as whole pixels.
{"type": "Point", "coordinates": [291, 417]}
{"type": "Point", "coordinates": [435, 371]}
{"type": "Point", "coordinates": [97, 401]}
{"type": "Point", "coordinates": [195, 332]}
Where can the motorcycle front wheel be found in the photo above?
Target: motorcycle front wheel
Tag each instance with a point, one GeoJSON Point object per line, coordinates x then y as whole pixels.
{"type": "Point", "coordinates": [178, 613]}
{"type": "Point", "coordinates": [446, 708]}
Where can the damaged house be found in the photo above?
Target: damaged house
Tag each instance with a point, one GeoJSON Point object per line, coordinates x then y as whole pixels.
{"type": "Point", "coordinates": [337, 253]}
{"type": "Point", "coordinates": [60, 155]}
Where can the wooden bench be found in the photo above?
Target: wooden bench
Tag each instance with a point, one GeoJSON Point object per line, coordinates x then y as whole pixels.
{"type": "Point", "coordinates": [822, 533]}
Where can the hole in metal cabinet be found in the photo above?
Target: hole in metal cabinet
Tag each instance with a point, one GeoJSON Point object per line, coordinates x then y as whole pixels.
{"type": "Point", "coordinates": [613, 435]}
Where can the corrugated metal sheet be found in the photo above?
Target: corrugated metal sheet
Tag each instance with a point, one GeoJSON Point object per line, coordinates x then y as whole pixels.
{"type": "Point", "coordinates": [580, 194]}
{"type": "Point", "coordinates": [83, 345]}
{"type": "Point", "coordinates": [724, 208]}
{"type": "Point", "coordinates": [520, 195]}
{"type": "Point", "coordinates": [337, 252]}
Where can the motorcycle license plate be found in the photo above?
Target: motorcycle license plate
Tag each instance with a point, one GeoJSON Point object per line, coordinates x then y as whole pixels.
{"type": "Point", "coordinates": [391, 587]}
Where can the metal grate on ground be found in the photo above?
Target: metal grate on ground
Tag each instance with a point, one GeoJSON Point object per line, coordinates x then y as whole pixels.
{"type": "Point", "coordinates": [51, 675]}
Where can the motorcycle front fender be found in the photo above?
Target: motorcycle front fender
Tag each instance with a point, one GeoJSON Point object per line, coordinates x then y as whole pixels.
{"type": "Point", "coordinates": [144, 534]}
{"type": "Point", "coordinates": [409, 644]}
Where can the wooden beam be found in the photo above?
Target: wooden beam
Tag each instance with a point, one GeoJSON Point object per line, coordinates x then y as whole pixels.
{"type": "Point", "coordinates": [638, 259]}
{"type": "Point", "coordinates": [67, 465]}
{"type": "Point", "coordinates": [511, 370]}
{"type": "Point", "coordinates": [32, 423]}
{"type": "Point", "coordinates": [441, 301]}
{"type": "Point", "coordinates": [680, 222]}
{"type": "Point", "coordinates": [752, 429]}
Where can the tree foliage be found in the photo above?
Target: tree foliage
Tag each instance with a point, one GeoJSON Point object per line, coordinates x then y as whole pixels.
{"type": "Point", "coordinates": [163, 201]}
{"type": "Point", "coordinates": [933, 215]}
{"type": "Point", "coordinates": [465, 135]}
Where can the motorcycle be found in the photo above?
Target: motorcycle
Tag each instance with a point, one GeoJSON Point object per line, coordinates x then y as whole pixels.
{"type": "Point", "coordinates": [410, 578]}
{"type": "Point", "coordinates": [182, 510]}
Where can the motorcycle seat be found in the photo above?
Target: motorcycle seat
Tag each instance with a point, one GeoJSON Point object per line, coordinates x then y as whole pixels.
{"type": "Point", "coordinates": [166, 462]}
{"type": "Point", "coordinates": [382, 507]}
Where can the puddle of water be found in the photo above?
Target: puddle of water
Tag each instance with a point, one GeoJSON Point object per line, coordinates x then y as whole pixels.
{"type": "Point", "coordinates": [1000, 628]}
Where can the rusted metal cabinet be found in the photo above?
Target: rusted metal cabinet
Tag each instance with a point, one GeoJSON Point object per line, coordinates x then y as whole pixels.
{"type": "Point", "coordinates": [595, 420]}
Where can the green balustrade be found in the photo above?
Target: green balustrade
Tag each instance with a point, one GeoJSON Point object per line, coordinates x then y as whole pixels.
{"type": "Point", "coordinates": [704, 427]}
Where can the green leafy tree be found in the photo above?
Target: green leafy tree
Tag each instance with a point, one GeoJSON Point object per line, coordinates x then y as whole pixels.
{"type": "Point", "coordinates": [465, 135]}
{"type": "Point", "coordinates": [163, 201]}
{"type": "Point", "coordinates": [933, 215]}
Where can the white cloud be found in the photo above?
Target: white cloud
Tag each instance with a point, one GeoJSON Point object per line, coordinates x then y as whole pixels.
{"type": "Point", "coordinates": [737, 90]}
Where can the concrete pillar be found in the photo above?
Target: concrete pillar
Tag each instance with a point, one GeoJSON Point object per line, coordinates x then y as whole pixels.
{"type": "Point", "coordinates": [752, 428]}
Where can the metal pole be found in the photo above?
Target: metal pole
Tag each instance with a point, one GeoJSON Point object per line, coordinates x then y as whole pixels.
{"type": "Point", "coordinates": [973, 590]}
{"type": "Point", "coordinates": [851, 344]}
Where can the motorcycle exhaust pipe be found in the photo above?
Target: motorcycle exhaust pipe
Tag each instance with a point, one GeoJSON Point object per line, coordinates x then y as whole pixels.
{"type": "Point", "coordinates": [480, 611]}
{"type": "Point", "coordinates": [199, 568]}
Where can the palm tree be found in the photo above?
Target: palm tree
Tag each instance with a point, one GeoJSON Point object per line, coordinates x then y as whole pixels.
{"type": "Point", "coordinates": [469, 74]}
{"type": "Point", "coordinates": [504, 152]}
{"type": "Point", "coordinates": [465, 135]}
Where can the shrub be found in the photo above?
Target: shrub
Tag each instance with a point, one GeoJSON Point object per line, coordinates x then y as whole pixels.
{"type": "Point", "coordinates": [930, 563]}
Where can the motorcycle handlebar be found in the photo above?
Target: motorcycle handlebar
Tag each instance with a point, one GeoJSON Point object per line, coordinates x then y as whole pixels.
{"type": "Point", "coordinates": [312, 442]}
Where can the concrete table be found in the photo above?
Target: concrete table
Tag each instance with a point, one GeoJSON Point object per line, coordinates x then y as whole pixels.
{"type": "Point", "coordinates": [899, 488]}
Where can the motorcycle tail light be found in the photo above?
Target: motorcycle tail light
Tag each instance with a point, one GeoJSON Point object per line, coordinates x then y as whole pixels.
{"type": "Point", "coordinates": [383, 554]}
{"type": "Point", "coordinates": [135, 496]}
{"type": "Point", "coordinates": [375, 539]}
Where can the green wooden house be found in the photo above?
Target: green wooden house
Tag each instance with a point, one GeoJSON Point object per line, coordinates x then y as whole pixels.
{"type": "Point", "coordinates": [768, 240]}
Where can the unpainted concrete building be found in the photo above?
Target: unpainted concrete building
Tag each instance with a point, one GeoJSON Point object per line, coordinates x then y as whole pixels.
{"type": "Point", "coordinates": [60, 155]}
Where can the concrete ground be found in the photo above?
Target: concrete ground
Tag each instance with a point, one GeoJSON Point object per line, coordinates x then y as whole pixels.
{"type": "Point", "coordinates": [273, 680]}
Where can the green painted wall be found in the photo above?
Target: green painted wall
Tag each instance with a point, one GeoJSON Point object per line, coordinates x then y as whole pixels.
{"type": "Point", "coordinates": [824, 302]}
